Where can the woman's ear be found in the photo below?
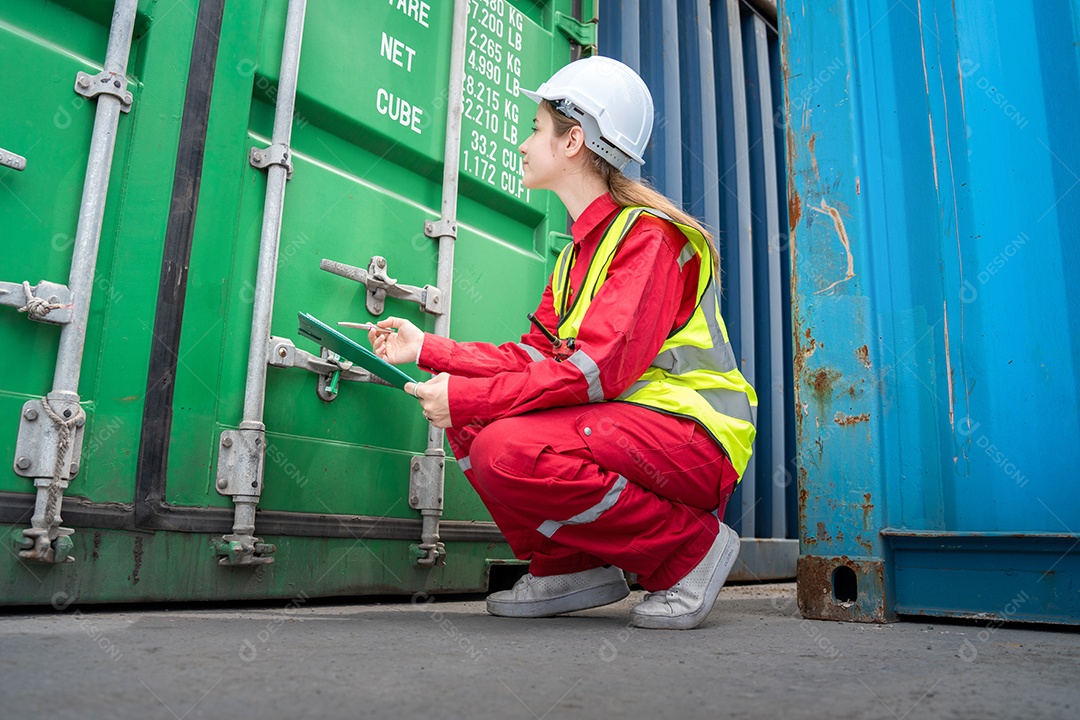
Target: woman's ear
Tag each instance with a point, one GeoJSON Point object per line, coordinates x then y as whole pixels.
{"type": "Point", "coordinates": [574, 142]}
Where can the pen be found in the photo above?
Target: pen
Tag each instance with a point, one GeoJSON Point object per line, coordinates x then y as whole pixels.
{"type": "Point", "coordinates": [368, 326]}
{"type": "Point", "coordinates": [555, 341]}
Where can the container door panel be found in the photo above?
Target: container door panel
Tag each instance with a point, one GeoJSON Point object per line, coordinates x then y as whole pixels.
{"type": "Point", "coordinates": [367, 147]}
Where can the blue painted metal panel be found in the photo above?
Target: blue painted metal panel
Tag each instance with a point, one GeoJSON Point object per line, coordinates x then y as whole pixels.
{"type": "Point", "coordinates": [935, 317]}
{"type": "Point", "coordinates": [714, 69]}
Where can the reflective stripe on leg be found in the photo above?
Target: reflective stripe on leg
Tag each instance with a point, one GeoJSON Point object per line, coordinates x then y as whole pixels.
{"type": "Point", "coordinates": [548, 527]}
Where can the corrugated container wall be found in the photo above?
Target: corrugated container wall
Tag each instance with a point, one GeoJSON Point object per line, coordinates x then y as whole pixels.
{"type": "Point", "coordinates": [714, 70]}
{"type": "Point", "coordinates": [934, 217]}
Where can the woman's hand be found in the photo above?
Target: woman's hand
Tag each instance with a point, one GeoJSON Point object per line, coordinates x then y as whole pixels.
{"type": "Point", "coordinates": [399, 347]}
{"type": "Point", "coordinates": [433, 399]}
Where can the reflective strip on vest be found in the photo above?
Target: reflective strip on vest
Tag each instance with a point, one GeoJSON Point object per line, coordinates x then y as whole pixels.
{"type": "Point", "coordinates": [687, 254]}
{"type": "Point", "coordinates": [634, 388]}
{"type": "Point", "coordinates": [720, 358]}
{"type": "Point", "coordinates": [532, 352]}
{"type": "Point", "coordinates": [591, 371]}
{"type": "Point", "coordinates": [465, 464]}
{"type": "Point", "coordinates": [548, 527]}
{"type": "Point", "coordinates": [732, 403]}
{"type": "Point", "coordinates": [685, 358]}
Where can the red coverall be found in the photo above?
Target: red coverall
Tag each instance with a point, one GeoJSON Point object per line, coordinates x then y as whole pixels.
{"type": "Point", "coordinates": [574, 485]}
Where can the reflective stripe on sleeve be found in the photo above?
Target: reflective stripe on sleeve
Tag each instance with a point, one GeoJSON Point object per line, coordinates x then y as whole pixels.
{"type": "Point", "coordinates": [548, 527]}
{"type": "Point", "coordinates": [465, 464]}
{"type": "Point", "coordinates": [591, 371]}
{"type": "Point", "coordinates": [532, 352]}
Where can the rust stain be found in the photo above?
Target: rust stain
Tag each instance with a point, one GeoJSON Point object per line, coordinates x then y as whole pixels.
{"type": "Point", "coordinates": [863, 354]}
{"type": "Point", "coordinates": [857, 185]}
{"type": "Point", "coordinates": [867, 508]}
{"type": "Point", "coordinates": [794, 209]}
{"type": "Point", "coordinates": [841, 232]}
{"type": "Point", "coordinates": [823, 383]}
{"type": "Point", "coordinates": [813, 157]}
{"type": "Point", "coordinates": [97, 544]}
{"type": "Point", "coordinates": [822, 531]}
{"type": "Point", "coordinates": [846, 420]}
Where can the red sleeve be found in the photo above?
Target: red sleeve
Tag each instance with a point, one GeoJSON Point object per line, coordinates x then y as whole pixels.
{"type": "Point", "coordinates": [480, 359]}
{"type": "Point", "coordinates": [622, 332]}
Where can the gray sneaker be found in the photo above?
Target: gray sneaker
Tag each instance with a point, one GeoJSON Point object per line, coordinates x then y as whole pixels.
{"type": "Point", "coordinates": [688, 602]}
{"type": "Point", "coordinates": [551, 595]}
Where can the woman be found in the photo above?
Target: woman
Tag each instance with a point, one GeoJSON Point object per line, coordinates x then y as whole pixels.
{"type": "Point", "coordinates": [616, 445]}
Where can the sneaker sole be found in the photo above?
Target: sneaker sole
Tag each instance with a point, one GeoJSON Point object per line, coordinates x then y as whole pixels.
{"type": "Point", "coordinates": [691, 620]}
{"type": "Point", "coordinates": [580, 600]}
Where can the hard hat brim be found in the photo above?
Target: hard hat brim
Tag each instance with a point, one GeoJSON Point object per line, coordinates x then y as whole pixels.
{"type": "Point", "coordinates": [532, 95]}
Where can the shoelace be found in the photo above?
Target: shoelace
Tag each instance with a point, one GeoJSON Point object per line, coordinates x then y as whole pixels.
{"type": "Point", "coordinates": [524, 581]}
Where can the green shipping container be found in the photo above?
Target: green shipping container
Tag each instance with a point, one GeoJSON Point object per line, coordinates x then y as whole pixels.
{"type": "Point", "coordinates": [167, 310]}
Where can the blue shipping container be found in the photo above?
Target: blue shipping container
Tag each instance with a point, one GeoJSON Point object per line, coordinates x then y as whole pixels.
{"type": "Point", "coordinates": [933, 202]}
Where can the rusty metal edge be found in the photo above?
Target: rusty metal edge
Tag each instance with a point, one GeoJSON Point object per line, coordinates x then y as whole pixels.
{"type": "Point", "coordinates": [815, 590]}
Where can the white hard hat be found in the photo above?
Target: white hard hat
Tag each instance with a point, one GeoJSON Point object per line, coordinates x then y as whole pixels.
{"type": "Point", "coordinates": [610, 101]}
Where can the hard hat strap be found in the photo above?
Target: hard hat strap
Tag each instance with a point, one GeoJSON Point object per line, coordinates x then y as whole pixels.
{"type": "Point", "coordinates": [593, 137]}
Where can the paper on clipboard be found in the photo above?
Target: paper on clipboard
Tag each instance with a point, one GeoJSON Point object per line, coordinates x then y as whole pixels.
{"type": "Point", "coordinates": [329, 338]}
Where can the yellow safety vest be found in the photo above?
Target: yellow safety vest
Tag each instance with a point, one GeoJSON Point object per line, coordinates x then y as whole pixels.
{"type": "Point", "coordinates": [695, 374]}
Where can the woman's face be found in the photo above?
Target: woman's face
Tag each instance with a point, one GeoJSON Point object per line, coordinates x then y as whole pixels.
{"type": "Point", "coordinates": [540, 160]}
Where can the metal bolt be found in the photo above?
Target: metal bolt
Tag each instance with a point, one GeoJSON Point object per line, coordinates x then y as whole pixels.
{"type": "Point", "coordinates": [84, 82]}
{"type": "Point", "coordinates": [53, 299]}
{"type": "Point", "coordinates": [414, 500]}
{"type": "Point", "coordinates": [23, 463]}
{"type": "Point", "coordinates": [381, 262]}
{"type": "Point", "coordinates": [80, 421]}
{"type": "Point", "coordinates": [74, 469]}
{"type": "Point", "coordinates": [67, 413]}
{"type": "Point", "coordinates": [282, 352]}
{"type": "Point", "coordinates": [258, 441]}
{"type": "Point", "coordinates": [226, 441]}
{"type": "Point", "coordinates": [257, 157]}
{"type": "Point", "coordinates": [116, 83]}
{"type": "Point", "coordinates": [254, 483]}
{"type": "Point", "coordinates": [222, 484]}
{"type": "Point", "coordinates": [30, 414]}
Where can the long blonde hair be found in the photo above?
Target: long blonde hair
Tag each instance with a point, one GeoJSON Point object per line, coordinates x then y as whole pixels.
{"type": "Point", "coordinates": [626, 192]}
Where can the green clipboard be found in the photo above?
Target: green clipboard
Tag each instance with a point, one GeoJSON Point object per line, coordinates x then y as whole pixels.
{"type": "Point", "coordinates": [329, 338]}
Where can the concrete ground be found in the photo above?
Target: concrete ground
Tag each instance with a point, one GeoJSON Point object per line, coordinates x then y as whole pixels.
{"type": "Point", "coordinates": [755, 657]}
